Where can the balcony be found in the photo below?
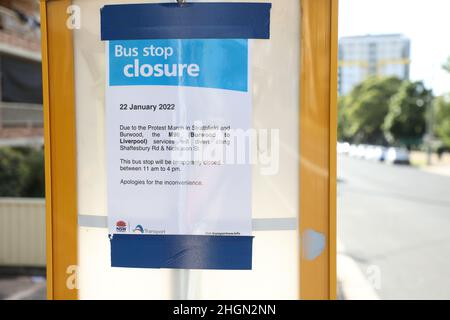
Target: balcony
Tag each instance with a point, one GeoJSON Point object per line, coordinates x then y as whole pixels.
{"type": "Point", "coordinates": [19, 34]}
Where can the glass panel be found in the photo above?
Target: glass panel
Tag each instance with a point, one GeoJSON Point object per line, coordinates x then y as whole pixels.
{"type": "Point", "coordinates": [394, 162]}
{"type": "Point", "coordinates": [275, 85]}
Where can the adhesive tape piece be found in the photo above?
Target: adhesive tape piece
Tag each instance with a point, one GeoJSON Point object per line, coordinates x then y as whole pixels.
{"type": "Point", "coordinates": [313, 244]}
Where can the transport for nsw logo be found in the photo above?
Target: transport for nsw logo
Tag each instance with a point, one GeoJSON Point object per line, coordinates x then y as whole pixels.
{"type": "Point", "coordinates": [138, 229]}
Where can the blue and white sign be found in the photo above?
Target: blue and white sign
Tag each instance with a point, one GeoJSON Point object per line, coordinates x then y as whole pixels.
{"type": "Point", "coordinates": [178, 114]}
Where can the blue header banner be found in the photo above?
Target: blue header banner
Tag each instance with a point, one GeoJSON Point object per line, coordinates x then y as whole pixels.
{"type": "Point", "coordinates": [216, 20]}
{"type": "Point", "coordinates": [213, 63]}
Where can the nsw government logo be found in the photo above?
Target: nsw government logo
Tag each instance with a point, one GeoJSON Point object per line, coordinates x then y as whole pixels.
{"type": "Point", "coordinates": [121, 226]}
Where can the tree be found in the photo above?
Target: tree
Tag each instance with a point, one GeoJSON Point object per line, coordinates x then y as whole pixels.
{"type": "Point", "coordinates": [34, 180]}
{"type": "Point", "coordinates": [442, 116]}
{"type": "Point", "coordinates": [446, 65]}
{"type": "Point", "coordinates": [405, 123]}
{"type": "Point", "coordinates": [12, 172]}
{"type": "Point", "coordinates": [342, 121]}
{"type": "Point", "coordinates": [362, 112]}
{"type": "Point", "coordinates": [442, 113]}
{"type": "Point", "coordinates": [22, 172]}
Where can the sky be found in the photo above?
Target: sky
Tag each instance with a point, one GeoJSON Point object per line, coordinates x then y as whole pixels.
{"type": "Point", "coordinates": [425, 22]}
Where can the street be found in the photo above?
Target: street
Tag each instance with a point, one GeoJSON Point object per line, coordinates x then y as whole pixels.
{"type": "Point", "coordinates": [22, 287]}
{"type": "Point", "coordinates": [396, 219]}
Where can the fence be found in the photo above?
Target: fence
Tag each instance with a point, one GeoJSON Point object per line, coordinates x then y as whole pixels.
{"type": "Point", "coordinates": [22, 232]}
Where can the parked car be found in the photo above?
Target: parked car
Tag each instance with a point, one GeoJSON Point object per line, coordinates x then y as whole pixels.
{"type": "Point", "coordinates": [375, 153]}
{"type": "Point", "coordinates": [397, 156]}
{"type": "Point", "coordinates": [361, 151]}
{"type": "Point", "coordinates": [369, 153]}
{"type": "Point", "coordinates": [352, 150]}
{"type": "Point", "coordinates": [343, 148]}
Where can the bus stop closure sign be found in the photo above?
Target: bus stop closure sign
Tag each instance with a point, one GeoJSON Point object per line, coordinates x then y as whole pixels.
{"type": "Point", "coordinates": [178, 116]}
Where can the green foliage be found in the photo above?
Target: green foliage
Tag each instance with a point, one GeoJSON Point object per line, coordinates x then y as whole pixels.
{"type": "Point", "coordinates": [405, 123]}
{"type": "Point", "coordinates": [446, 65]}
{"type": "Point", "coordinates": [12, 172]}
{"type": "Point", "coordinates": [21, 172]}
{"type": "Point", "coordinates": [362, 112]}
{"type": "Point", "coordinates": [342, 121]}
{"type": "Point", "coordinates": [442, 119]}
{"type": "Point", "coordinates": [34, 184]}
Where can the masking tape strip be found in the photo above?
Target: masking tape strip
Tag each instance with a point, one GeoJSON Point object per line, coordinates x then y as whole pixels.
{"type": "Point", "coordinates": [313, 244]}
{"type": "Point", "coordinates": [189, 21]}
{"type": "Point", "coordinates": [181, 252]}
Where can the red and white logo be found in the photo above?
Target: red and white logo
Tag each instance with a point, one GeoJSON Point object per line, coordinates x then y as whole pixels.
{"type": "Point", "coordinates": [121, 226]}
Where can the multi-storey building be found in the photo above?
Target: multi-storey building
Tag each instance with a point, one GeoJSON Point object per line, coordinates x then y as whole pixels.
{"type": "Point", "coordinates": [372, 55]}
{"type": "Point", "coordinates": [20, 70]}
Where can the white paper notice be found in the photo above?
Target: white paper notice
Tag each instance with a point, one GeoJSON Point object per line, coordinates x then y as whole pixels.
{"type": "Point", "coordinates": [177, 115]}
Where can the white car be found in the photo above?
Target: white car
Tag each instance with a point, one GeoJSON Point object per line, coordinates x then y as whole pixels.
{"type": "Point", "coordinates": [397, 156]}
{"type": "Point", "coordinates": [343, 148]}
{"type": "Point", "coordinates": [353, 150]}
{"type": "Point", "coordinates": [361, 151]}
{"type": "Point", "coordinates": [369, 153]}
{"type": "Point", "coordinates": [375, 153]}
{"type": "Point", "coordinates": [380, 153]}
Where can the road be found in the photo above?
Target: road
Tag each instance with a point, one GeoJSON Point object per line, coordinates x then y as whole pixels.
{"type": "Point", "coordinates": [22, 287]}
{"type": "Point", "coordinates": [396, 219]}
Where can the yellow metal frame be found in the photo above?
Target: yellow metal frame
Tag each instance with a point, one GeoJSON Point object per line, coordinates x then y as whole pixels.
{"type": "Point", "coordinates": [318, 129]}
{"type": "Point", "coordinates": [319, 62]}
{"type": "Point", "coordinates": [60, 148]}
